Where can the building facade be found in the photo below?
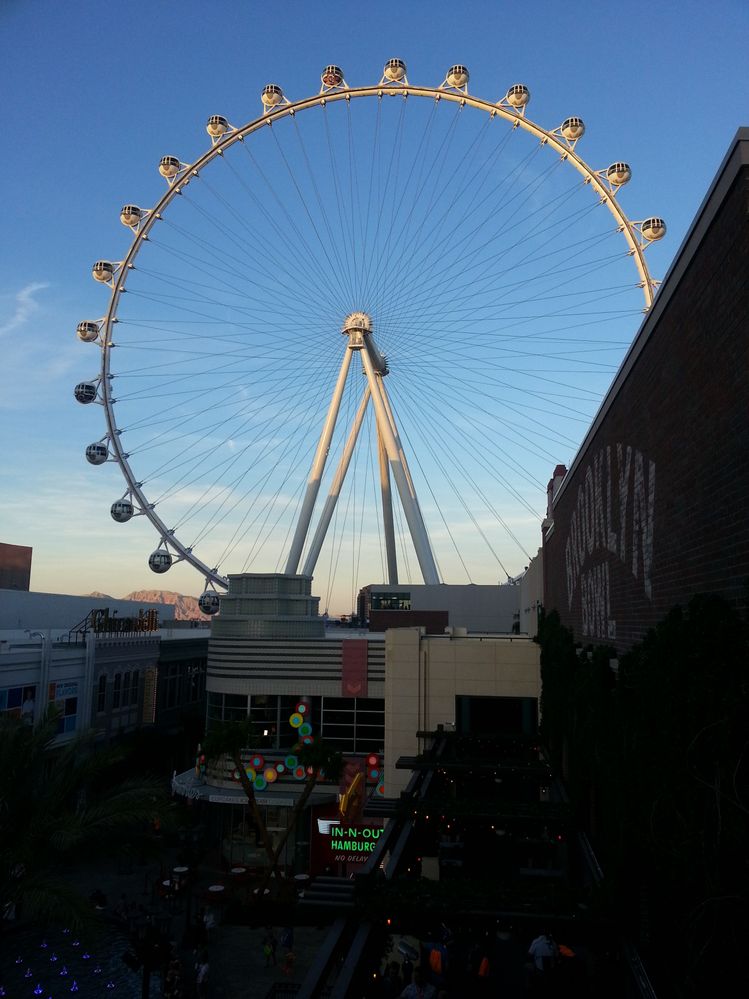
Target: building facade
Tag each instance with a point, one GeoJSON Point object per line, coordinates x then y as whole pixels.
{"type": "Point", "coordinates": [465, 683]}
{"type": "Point", "coordinates": [652, 510]}
{"type": "Point", "coordinates": [437, 607]}
{"type": "Point", "coordinates": [15, 567]}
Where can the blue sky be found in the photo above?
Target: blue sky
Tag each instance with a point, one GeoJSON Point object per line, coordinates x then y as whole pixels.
{"type": "Point", "coordinates": [95, 95]}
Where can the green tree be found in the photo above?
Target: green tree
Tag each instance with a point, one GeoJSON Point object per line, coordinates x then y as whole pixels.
{"type": "Point", "coordinates": [57, 807]}
{"type": "Point", "coordinates": [232, 738]}
{"type": "Point", "coordinates": [319, 759]}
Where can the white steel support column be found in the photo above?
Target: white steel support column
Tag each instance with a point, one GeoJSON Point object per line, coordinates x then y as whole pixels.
{"type": "Point", "coordinates": [387, 511]}
{"type": "Point", "coordinates": [318, 466]}
{"type": "Point", "coordinates": [401, 452]}
{"type": "Point", "coordinates": [402, 479]}
{"type": "Point", "coordinates": [335, 488]}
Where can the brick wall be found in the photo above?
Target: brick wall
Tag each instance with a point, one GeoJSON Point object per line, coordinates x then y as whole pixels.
{"type": "Point", "coordinates": [655, 509]}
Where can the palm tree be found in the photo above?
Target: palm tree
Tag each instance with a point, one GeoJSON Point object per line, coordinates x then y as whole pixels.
{"type": "Point", "coordinates": [318, 758]}
{"type": "Point", "coordinates": [229, 739]}
{"type": "Point", "coordinates": [58, 804]}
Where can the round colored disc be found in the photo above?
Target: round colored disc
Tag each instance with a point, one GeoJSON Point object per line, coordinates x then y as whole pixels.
{"type": "Point", "coordinates": [296, 720]}
{"type": "Point", "coordinates": [305, 729]}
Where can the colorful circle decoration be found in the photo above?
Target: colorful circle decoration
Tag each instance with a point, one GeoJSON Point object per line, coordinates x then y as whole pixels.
{"type": "Point", "coordinates": [251, 773]}
{"type": "Point", "coordinates": [305, 729]}
{"type": "Point", "coordinates": [300, 773]}
{"type": "Point", "coordinates": [296, 719]}
{"type": "Point", "coordinates": [260, 783]}
{"type": "Point", "coordinates": [280, 767]}
{"type": "Point", "coordinates": [291, 762]}
{"type": "Point", "coordinates": [372, 760]}
{"type": "Point", "coordinates": [270, 774]}
{"type": "Point", "coordinates": [307, 740]}
{"type": "Point", "coordinates": [374, 773]}
{"type": "Point", "coordinates": [257, 762]}
{"type": "Point", "coordinates": [302, 707]}
{"type": "Point", "coordinates": [380, 789]}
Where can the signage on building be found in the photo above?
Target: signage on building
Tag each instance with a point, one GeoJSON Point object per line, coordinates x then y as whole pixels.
{"type": "Point", "coordinates": [105, 623]}
{"type": "Point", "coordinates": [345, 843]}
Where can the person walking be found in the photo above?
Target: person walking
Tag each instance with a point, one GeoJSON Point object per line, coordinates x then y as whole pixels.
{"type": "Point", "coordinates": [202, 968]}
{"type": "Point", "coordinates": [544, 953]}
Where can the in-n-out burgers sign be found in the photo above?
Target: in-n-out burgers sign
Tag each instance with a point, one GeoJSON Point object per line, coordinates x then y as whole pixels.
{"type": "Point", "coordinates": [350, 843]}
{"type": "Point", "coordinates": [612, 521]}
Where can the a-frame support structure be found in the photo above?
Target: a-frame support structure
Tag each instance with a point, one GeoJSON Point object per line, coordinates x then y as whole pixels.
{"type": "Point", "coordinates": [392, 459]}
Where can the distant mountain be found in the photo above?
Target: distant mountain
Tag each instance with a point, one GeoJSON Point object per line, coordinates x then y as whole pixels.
{"type": "Point", "coordinates": [185, 608]}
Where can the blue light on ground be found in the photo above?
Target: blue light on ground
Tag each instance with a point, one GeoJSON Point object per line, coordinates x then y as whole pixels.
{"type": "Point", "coordinates": [56, 965]}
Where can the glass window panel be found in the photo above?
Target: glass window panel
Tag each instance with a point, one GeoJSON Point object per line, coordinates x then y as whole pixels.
{"type": "Point", "coordinates": [101, 695]}
{"type": "Point", "coordinates": [341, 703]}
{"type": "Point", "coordinates": [338, 718]}
{"type": "Point", "coordinates": [338, 731]}
{"type": "Point", "coordinates": [369, 745]}
{"type": "Point", "coordinates": [370, 704]}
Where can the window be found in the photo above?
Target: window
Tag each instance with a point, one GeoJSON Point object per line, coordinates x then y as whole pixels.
{"type": "Point", "coordinates": [235, 707]}
{"type": "Point", "coordinates": [126, 690]}
{"type": "Point", "coordinates": [264, 718]}
{"type": "Point", "coordinates": [171, 693]}
{"type": "Point", "coordinates": [64, 695]}
{"type": "Point", "coordinates": [101, 694]}
{"type": "Point", "coordinates": [354, 724]}
{"type": "Point", "coordinates": [391, 601]}
{"type": "Point", "coordinates": [117, 692]}
{"type": "Point", "coordinates": [20, 702]}
{"type": "Point", "coordinates": [215, 706]}
{"type": "Point", "coordinates": [134, 698]}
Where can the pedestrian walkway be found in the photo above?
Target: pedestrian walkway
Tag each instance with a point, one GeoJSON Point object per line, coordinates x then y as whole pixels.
{"type": "Point", "coordinates": [238, 966]}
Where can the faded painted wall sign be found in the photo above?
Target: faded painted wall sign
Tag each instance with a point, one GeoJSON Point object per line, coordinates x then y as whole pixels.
{"type": "Point", "coordinates": [612, 520]}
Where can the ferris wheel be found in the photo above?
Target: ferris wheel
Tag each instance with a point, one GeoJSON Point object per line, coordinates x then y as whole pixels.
{"type": "Point", "coordinates": [486, 281]}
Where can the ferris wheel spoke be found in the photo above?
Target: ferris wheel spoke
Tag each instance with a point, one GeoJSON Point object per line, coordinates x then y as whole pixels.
{"type": "Point", "coordinates": [246, 247]}
{"type": "Point", "coordinates": [459, 238]}
{"type": "Point", "coordinates": [283, 261]}
{"type": "Point", "coordinates": [325, 249]}
{"type": "Point", "coordinates": [457, 461]}
{"type": "Point", "coordinates": [478, 263]}
{"type": "Point", "coordinates": [299, 247]}
{"type": "Point", "coordinates": [440, 176]}
{"type": "Point", "coordinates": [231, 441]}
{"type": "Point", "coordinates": [458, 490]}
{"type": "Point", "coordinates": [421, 175]}
{"type": "Point", "coordinates": [373, 290]}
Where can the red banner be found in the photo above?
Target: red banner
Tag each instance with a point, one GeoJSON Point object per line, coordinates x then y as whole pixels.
{"type": "Point", "coordinates": [354, 672]}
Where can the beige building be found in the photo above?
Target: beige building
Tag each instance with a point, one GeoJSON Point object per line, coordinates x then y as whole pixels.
{"type": "Point", "coordinates": [472, 682]}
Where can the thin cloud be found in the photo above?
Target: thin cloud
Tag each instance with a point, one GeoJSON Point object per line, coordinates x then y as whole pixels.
{"type": "Point", "coordinates": [26, 306]}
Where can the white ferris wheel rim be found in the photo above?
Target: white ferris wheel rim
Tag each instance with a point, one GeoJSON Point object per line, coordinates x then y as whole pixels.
{"type": "Point", "coordinates": [187, 171]}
